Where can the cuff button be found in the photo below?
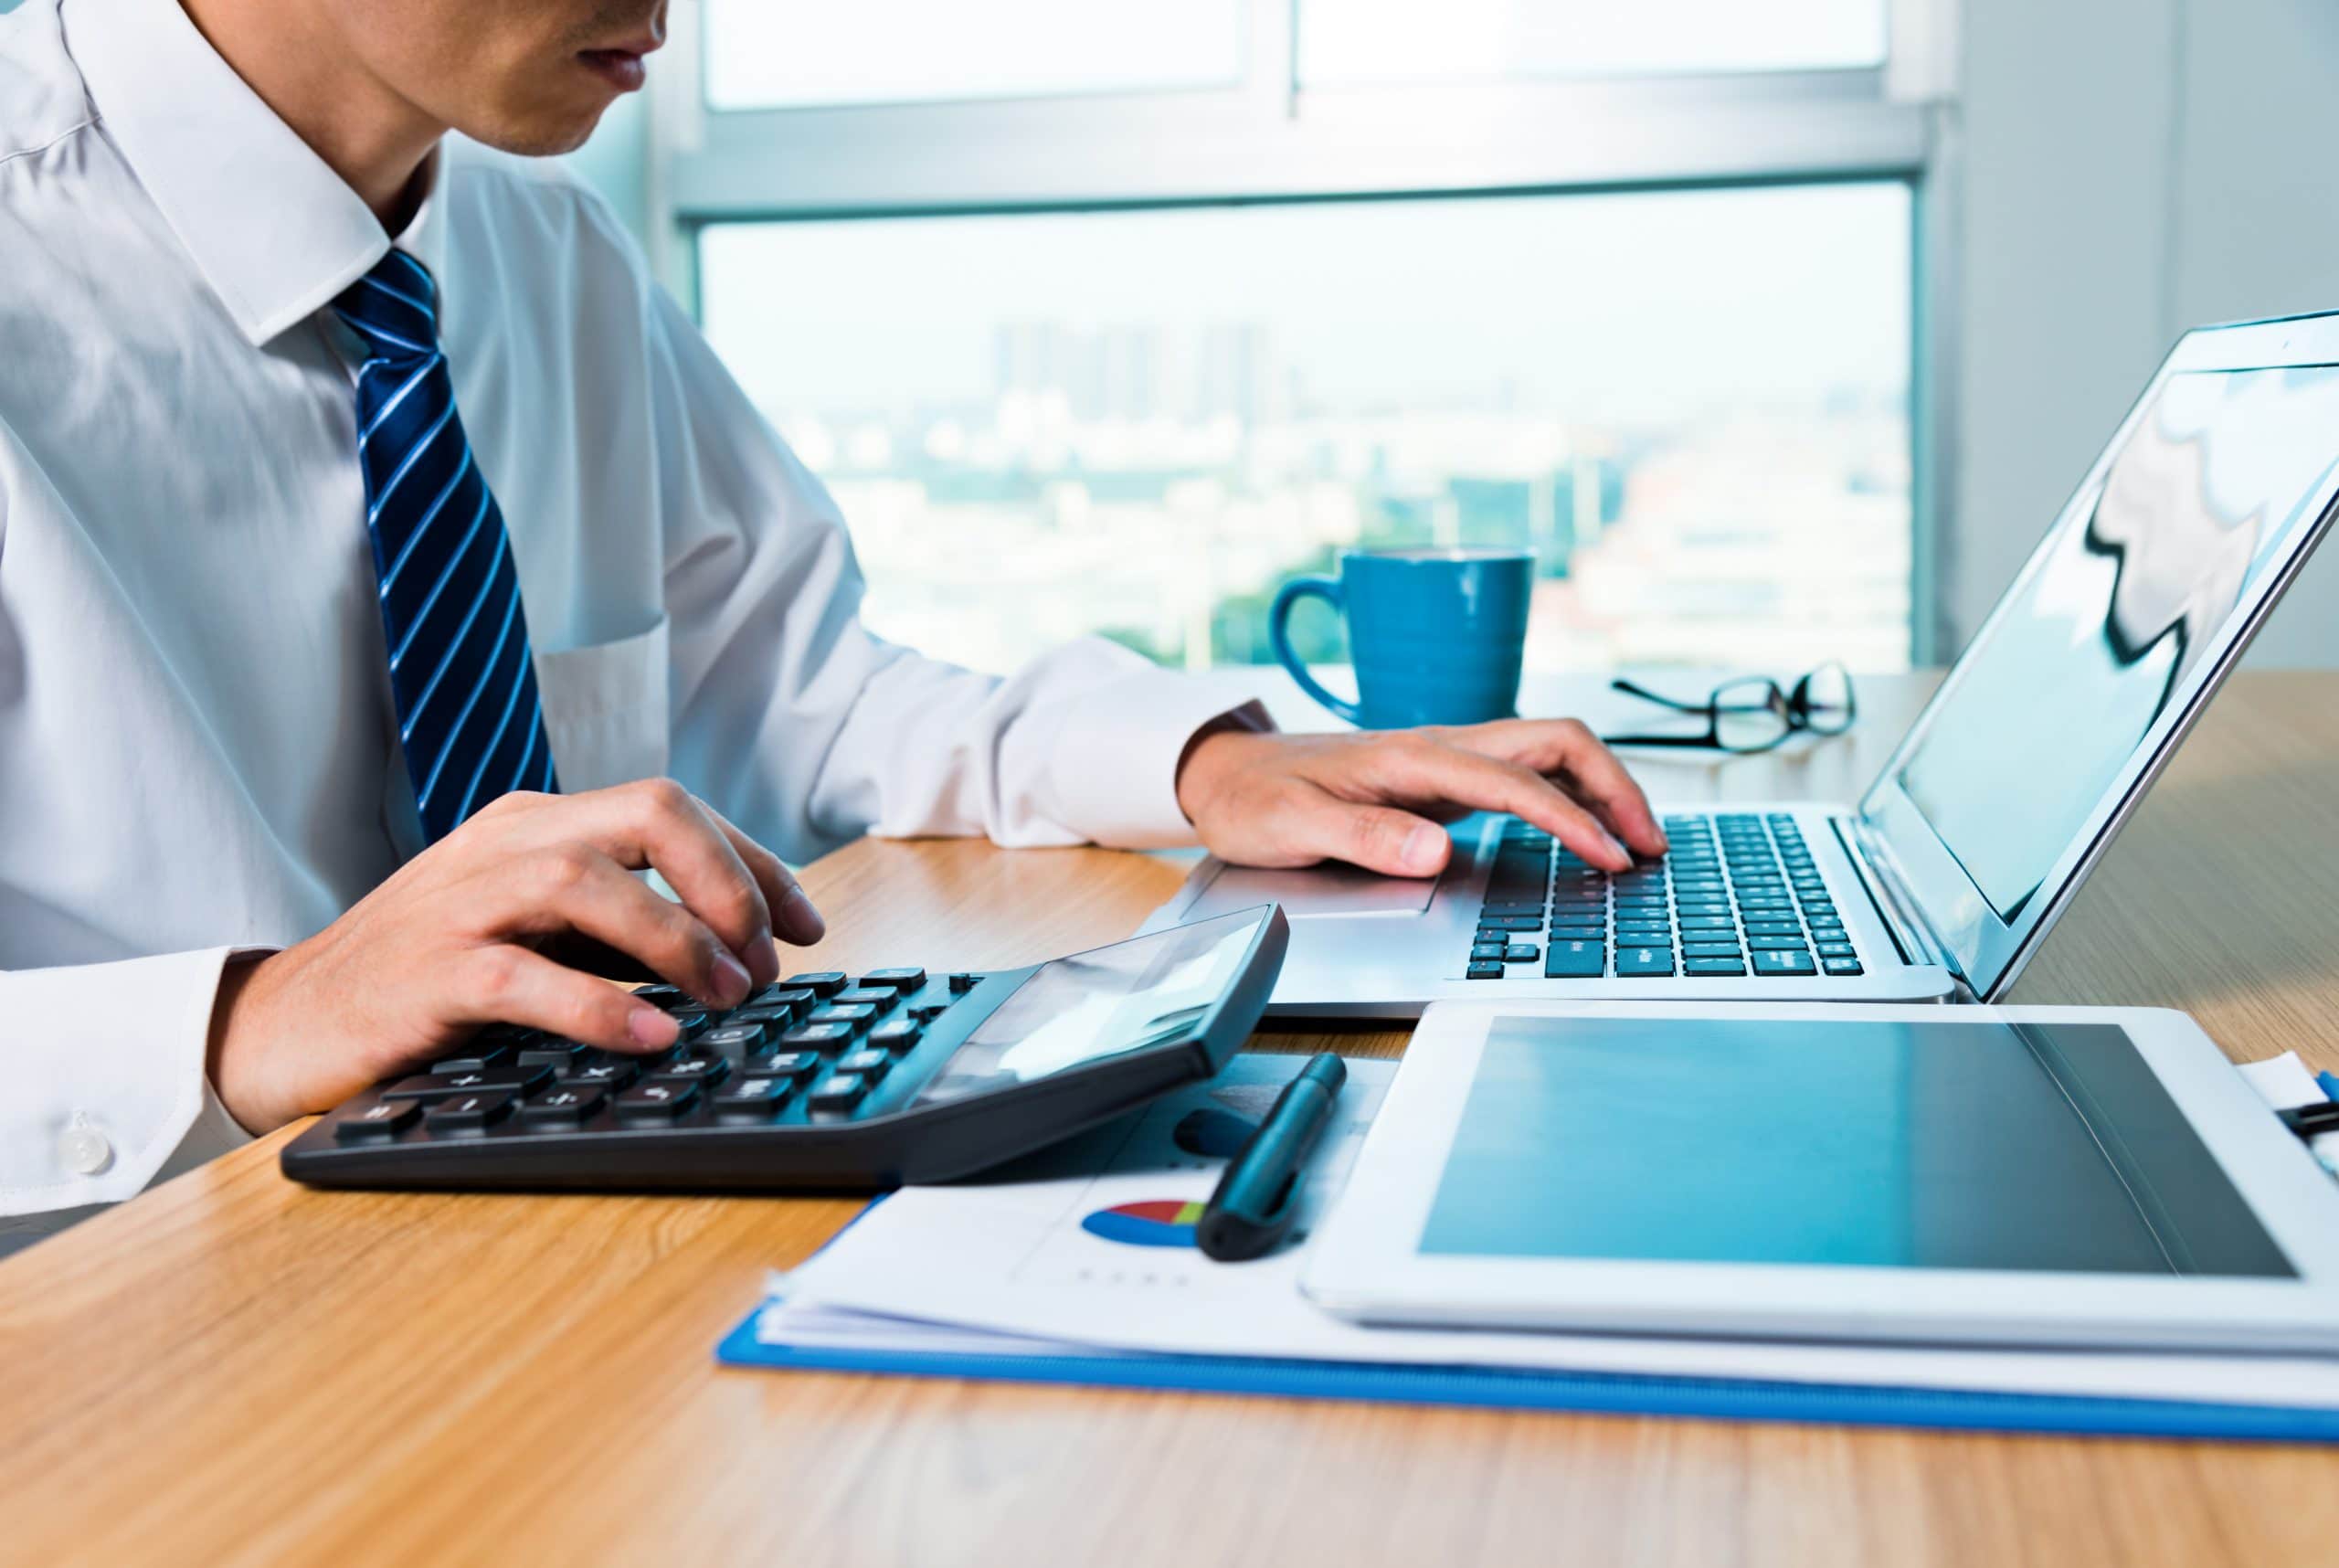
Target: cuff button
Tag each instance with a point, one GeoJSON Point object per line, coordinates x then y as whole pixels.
{"type": "Point", "coordinates": [85, 1150]}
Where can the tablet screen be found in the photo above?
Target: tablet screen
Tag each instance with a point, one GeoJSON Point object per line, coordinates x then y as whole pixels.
{"type": "Point", "coordinates": [1936, 1145]}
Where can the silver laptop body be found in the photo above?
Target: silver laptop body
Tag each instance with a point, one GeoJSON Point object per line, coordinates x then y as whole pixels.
{"type": "Point", "coordinates": [1973, 839]}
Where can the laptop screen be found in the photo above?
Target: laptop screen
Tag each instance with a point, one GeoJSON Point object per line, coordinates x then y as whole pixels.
{"type": "Point", "coordinates": [2151, 571]}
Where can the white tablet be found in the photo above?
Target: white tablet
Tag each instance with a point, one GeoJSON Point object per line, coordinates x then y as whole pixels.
{"type": "Point", "coordinates": [2011, 1175]}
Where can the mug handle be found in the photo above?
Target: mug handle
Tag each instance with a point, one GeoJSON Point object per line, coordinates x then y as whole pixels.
{"type": "Point", "coordinates": [1279, 638]}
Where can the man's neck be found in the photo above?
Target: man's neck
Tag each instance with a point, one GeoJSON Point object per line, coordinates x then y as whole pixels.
{"type": "Point", "coordinates": [288, 54]}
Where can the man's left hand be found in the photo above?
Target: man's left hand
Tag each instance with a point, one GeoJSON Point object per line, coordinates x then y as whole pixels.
{"type": "Point", "coordinates": [1376, 799]}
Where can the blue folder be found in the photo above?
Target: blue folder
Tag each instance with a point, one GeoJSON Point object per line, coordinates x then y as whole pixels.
{"type": "Point", "coordinates": [1608, 1394]}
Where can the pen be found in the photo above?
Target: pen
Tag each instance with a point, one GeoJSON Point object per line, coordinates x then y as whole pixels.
{"type": "Point", "coordinates": [2330, 1082]}
{"type": "Point", "coordinates": [1257, 1197]}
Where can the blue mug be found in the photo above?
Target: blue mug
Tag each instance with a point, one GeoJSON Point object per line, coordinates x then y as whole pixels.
{"type": "Point", "coordinates": [1436, 634]}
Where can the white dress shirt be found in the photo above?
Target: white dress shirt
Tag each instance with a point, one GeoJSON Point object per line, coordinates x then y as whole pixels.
{"type": "Point", "coordinates": [197, 741]}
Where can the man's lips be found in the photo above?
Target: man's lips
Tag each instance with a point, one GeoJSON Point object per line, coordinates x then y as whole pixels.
{"type": "Point", "coordinates": [622, 68]}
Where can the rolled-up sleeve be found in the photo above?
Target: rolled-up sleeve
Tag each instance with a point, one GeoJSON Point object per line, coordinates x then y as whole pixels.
{"type": "Point", "coordinates": [106, 1091]}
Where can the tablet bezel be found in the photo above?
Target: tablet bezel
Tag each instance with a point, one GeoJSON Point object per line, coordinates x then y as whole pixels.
{"type": "Point", "coordinates": [1365, 1262]}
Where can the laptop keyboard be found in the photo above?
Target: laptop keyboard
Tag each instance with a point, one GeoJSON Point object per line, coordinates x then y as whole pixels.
{"type": "Point", "coordinates": [1737, 893]}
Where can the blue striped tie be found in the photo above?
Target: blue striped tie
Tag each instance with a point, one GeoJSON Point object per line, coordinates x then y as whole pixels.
{"type": "Point", "coordinates": [469, 717]}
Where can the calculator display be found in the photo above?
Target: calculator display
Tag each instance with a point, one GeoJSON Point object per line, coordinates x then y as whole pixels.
{"type": "Point", "coordinates": [1147, 992]}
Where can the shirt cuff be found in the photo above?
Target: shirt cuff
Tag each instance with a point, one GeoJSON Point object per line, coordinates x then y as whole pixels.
{"type": "Point", "coordinates": [108, 1090]}
{"type": "Point", "coordinates": [1119, 752]}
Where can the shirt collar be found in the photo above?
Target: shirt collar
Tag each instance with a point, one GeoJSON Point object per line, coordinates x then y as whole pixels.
{"type": "Point", "coordinates": [274, 231]}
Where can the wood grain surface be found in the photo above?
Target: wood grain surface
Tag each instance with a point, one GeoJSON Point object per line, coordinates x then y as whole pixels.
{"type": "Point", "coordinates": [233, 1369]}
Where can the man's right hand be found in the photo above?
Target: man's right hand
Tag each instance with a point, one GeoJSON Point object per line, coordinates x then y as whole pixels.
{"type": "Point", "coordinates": [450, 941]}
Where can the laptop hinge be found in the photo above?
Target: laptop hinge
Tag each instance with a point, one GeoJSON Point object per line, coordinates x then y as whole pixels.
{"type": "Point", "coordinates": [1890, 896]}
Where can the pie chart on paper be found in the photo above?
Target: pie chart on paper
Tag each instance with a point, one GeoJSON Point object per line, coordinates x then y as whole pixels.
{"type": "Point", "coordinates": [1158, 1222]}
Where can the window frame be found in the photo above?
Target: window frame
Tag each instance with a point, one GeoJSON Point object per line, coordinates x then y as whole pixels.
{"type": "Point", "coordinates": [1272, 140]}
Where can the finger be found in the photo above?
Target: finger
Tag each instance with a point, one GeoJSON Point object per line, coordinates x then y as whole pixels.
{"type": "Point", "coordinates": [1595, 776]}
{"type": "Point", "coordinates": [1448, 772]}
{"type": "Point", "coordinates": [1378, 838]}
{"type": "Point", "coordinates": [574, 887]}
{"type": "Point", "coordinates": [793, 912]}
{"type": "Point", "coordinates": [508, 984]}
{"type": "Point", "coordinates": [657, 823]}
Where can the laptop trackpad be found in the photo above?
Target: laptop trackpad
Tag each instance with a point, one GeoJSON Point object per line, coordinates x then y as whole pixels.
{"type": "Point", "coordinates": [1314, 892]}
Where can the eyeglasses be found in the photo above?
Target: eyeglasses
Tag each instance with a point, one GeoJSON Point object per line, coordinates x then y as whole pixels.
{"type": "Point", "coordinates": [1753, 714]}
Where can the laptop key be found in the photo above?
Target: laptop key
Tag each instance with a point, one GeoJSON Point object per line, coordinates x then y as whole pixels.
{"type": "Point", "coordinates": [1485, 969]}
{"type": "Point", "coordinates": [1781, 944]}
{"type": "Point", "coordinates": [1836, 966]}
{"type": "Point", "coordinates": [1511, 922]}
{"type": "Point", "coordinates": [1522, 953]}
{"type": "Point", "coordinates": [1711, 966]}
{"type": "Point", "coordinates": [1828, 949]}
{"type": "Point", "coordinates": [1772, 928]}
{"type": "Point", "coordinates": [1637, 961]}
{"type": "Point", "coordinates": [1783, 961]}
{"type": "Point", "coordinates": [1575, 961]}
{"type": "Point", "coordinates": [1709, 949]}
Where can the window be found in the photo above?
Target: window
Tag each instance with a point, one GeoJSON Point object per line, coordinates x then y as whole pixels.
{"type": "Point", "coordinates": [1115, 330]}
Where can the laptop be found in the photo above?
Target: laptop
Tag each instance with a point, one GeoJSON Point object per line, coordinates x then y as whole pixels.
{"type": "Point", "coordinates": [1939, 883]}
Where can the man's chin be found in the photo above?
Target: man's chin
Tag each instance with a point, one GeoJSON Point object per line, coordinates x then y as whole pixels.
{"type": "Point", "coordinates": [541, 135]}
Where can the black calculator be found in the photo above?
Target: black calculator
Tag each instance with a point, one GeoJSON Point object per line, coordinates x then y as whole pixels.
{"type": "Point", "coordinates": [822, 1081]}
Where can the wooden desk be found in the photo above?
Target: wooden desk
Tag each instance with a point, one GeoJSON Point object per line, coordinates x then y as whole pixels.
{"type": "Point", "coordinates": [232, 1368]}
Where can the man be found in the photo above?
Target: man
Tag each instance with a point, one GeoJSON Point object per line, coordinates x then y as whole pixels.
{"type": "Point", "coordinates": [376, 540]}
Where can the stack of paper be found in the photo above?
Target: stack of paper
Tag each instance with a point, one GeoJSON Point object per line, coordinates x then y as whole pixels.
{"type": "Point", "coordinates": [1080, 1267]}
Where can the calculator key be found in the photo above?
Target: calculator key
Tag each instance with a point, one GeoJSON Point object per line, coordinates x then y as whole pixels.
{"type": "Point", "coordinates": [771, 1019]}
{"type": "Point", "coordinates": [901, 981]}
{"type": "Point", "coordinates": [567, 1104]}
{"type": "Point", "coordinates": [666, 996]}
{"type": "Point", "coordinates": [927, 1012]}
{"type": "Point", "coordinates": [735, 1039]}
{"type": "Point", "coordinates": [754, 1100]}
{"type": "Point", "coordinates": [444, 1086]}
{"type": "Point", "coordinates": [962, 983]}
{"type": "Point", "coordinates": [1840, 966]}
{"type": "Point", "coordinates": [378, 1122]}
{"type": "Point", "coordinates": [607, 1073]}
{"type": "Point", "coordinates": [467, 1113]}
{"type": "Point", "coordinates": [795, 1000]}
{"type": "Point", "coordinates": [788, 1064]}
{"type": "Point", "coordinates": [820, 982]}
{"type": "Point", "coordinates": [1636, 961]}
{"type": "Point", "coordinates": [1783, 961]}
{"type": "Point", "coordinates": [898, 1035]}
{"type": "Point", "coordinates": [1575, 961]}
{"type": "Point", "coordinates": [483, 1054]}
{"type": "Point", "coordinates": [875, 996]}
{"type": "Point", "coordinates": [691, 1022]}
{"type": "Point", "coordinates": [856, 1016]}
{"type": "Point", "coordinates": [838, 1091]}
{"type": "Point", "coordinates": [560, 1055]}
{"type": "Point", "coordinates": [870, 1063]}
{"type": "Point", "coordinates": [1483, 968]}
{"type": "Point", "coordinates": [692, 1067]}
{"type": "Point", "coordinates": [817, 1036]}
{"type": "Point", "coordinates": [1711, 966]}
{"type": "Point", "coordinates": [656, 1100]}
